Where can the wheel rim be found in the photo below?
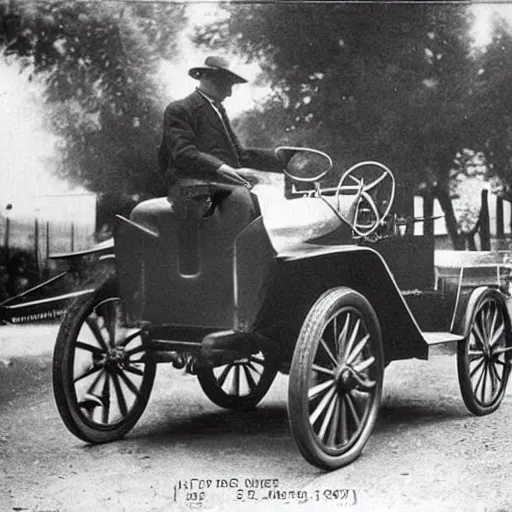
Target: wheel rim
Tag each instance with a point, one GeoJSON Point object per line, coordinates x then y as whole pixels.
{"type": "Point", "coordinates": [242, 377]}
{"type": "Point", "coordinates": [488, 353]}
{"type": "Point", "coordinates": [108, 367]}
{"type": "Point", "coordinates": [344, 382]}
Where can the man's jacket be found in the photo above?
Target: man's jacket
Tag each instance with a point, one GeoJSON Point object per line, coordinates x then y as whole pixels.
{"type": "Point", "coordinates": [195, 143]}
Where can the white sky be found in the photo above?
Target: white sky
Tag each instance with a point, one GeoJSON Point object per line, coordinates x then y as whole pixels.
{"type": "Point", "coordinates": [26, 148]}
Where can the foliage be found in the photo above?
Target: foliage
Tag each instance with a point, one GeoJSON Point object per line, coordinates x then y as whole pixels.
{"type": "Point", "coordinates": [395, 82]}
{"type": "Point", "coordinates": [467, 179]}
{"type": "Point", "coordinates": [99, 63]}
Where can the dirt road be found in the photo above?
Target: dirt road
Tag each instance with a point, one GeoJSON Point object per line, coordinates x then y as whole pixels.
{"type": "Point", "coordinates": [426, 453]}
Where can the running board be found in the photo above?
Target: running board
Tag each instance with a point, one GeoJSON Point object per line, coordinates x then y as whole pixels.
{"type": "Point", "coordinates": [441, 343]}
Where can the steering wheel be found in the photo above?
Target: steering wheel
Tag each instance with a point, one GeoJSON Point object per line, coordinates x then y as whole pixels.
{"type": "Point", "coordinates": [373, 184]}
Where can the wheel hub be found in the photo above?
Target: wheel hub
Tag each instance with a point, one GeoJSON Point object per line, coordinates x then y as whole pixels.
{"type": "Point", "coordinates": [344, 379]}
{"type": "Point", "coordinates": [116, 357]}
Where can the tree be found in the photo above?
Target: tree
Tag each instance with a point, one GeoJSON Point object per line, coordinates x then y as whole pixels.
{"type": "Point", "coordinates": [391, 82]}
{"type": "Point", "coordinates": [99, 63]}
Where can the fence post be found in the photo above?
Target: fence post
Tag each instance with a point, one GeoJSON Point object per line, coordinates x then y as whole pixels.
{"type": "Point", "coordinates": [500, 225]}
{"type": "Point", "coordinates": [484, 223]}
{"type": "Point", "coordinates": [428, 213]}
{"type": "Point", "coordinates": [36, 245]}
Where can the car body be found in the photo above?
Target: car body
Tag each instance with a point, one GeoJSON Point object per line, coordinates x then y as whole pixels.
{"type": "Point", "coordinates": [321, 285]}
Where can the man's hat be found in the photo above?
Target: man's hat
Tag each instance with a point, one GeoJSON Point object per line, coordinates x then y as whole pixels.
{"type": "Point", "coordinates": [217, 64]}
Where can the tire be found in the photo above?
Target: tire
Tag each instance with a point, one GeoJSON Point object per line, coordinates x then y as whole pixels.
{"type": "Point", "coordinates": [483, 357]}
{"type": "Point", "coordinates": [336, 379]}
{"type": "Point", "coordinates": [101, 377]}
{"type": "Point", "coordinates": [240, 385]}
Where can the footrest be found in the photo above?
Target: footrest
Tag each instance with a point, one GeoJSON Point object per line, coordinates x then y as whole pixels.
{"type": "Point", "coordinates": [441, 343]}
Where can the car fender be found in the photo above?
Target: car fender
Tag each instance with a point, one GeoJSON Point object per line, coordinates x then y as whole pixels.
{"type": "Point", "coordinates": [299, 277]}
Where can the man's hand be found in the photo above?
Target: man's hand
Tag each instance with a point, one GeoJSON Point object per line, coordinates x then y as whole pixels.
{"type": "Point", "coordinates": [230, 175]}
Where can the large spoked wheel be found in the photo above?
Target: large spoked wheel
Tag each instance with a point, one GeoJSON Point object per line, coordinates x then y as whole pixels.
{"type": "Point", "coordinates": [336, 379]}
{"type": "Point", "coordinates": [483, 357]}
{"type": "Point", "coordinates": [240, 385]}
{"type": "Point", "coordinates": [102, 377]}
{"type": "Point", "coordinates": [373, 184]}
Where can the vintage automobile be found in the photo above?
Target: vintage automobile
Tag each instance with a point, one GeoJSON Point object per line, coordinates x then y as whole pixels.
{"type": "Point", "coordinates": [320, 284]}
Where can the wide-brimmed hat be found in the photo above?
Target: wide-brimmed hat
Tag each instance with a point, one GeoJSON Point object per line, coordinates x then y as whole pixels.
{"type": "Point", "coordinates": [217, 64]}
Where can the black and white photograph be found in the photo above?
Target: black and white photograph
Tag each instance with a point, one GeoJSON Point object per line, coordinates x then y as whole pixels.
{"type": "Point", "coordinates": [255, 256]}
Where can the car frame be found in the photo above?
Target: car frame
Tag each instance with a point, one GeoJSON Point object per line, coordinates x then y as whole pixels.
{"type": "Point", "coordinates": [312, 287]}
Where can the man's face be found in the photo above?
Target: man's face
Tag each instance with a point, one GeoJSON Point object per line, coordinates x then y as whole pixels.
{"type": "Point", "coordinates": [221, 85]}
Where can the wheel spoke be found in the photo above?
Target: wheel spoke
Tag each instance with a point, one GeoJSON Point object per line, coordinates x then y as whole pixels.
{"type": "Point", "coordinates": [237, 380]}
{"type": "Point", "coordinates": [352, 339]}
{"type": "Point", "coordinates": [319, 388]}
{"type": "Point", "coordinates": [130, 338]}
{"type": "Point", "coordinates": [343, 421]}
{"type": "Point", "coordinates": [90, 348]}
{"type": "Point", "coordinates": [475, 354]}
{"type": "Point", "coordinates": [134, 369]}
{"type": "Point", "coordinates": [321, 406]}
{"type": "Point", "coordinates": [476, 368]}
{"type": "Point", "coordinates": [93, 326]}
{"type": "Point", "coordinates": [135, 350]}
{"type": "Point", "coordinates": [492, 327]}
{"type": "Point", "coordinates": [250, 380]}
{"type": "Point", "coordinates": [256, 359]}
{"type": "Point", "coordinates": [251, 366]}
{"type": "Point", "coordinates": [120, 396]}
{"type": "Point", "coordinates": [321, 369]}
{"type": "Point", "coordinates": [129, 384]}
{"type": "Point", "coordinates": [353, 410]}
{"type": "Point", "coordinates": [494, 379]}
{"type": "Point", "coordinates": [497, 335]}
{"type": "Point", "coordinates": [496, 373]}
{"type": "Point", "coordinates": [363, 365]}
{"type": "Point", "coordinates": [478, 334]}
{"type": "Point", "coordinates": [333, 430]}
{"type": "Point", "coordinates": [94, 383]}
{"type": "Point", "coordinates": [502, 350]}
{"type": "Point", "coordinates": [335, 333]}
{"type": "Point", "coordinates": [327, 418]}
{"type": "Point", "coordinates": [328, 351]}
{"type": "Point", "coordinates": [90, 371]}
{"type": "Point", "coordinates": [484, 383]}
{"type": "Point", "coordinates": [106, 398]}
{"type": "Point", "coordinates": [342, 338]}
{"type": "Point", "coordinates": [357, 350]}
{"type": "Point", "coordinates": [224, 374]}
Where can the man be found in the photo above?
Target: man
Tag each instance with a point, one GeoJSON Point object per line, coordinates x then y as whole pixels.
{"type": "Point", "coordinates": [200, 154]}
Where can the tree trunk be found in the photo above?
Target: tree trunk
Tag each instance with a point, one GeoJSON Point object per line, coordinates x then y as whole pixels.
{"type": "Point", "coordinates": [450, 220]}
{"type": "Point", "coordinates": [484, 224]}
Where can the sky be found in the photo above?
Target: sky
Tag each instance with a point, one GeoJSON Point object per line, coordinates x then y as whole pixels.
{"type": "Point", "coordinates": [26, 148]}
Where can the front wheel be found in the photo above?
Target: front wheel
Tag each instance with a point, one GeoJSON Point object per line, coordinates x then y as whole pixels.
{"type": "Point", "coordinates": [484, 356]}
{"type": "Point", "coordinates": [102, 377]}
{"type": "Point", "coordinates": [336, 379]}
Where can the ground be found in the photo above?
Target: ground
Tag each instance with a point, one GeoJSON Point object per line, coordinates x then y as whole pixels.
{"type": "Point", "coordinates": [427, 453]}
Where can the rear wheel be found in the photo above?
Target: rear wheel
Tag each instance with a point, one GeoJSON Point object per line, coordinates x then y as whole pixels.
{"type": "Point", "coordinates": [483, 357]}
{"type": "Point", "coordinates": [239, 385]}
{"type": "Point", "coordinates": [336, 379]}
{"type": "Point", "coordinates": [102, 377]}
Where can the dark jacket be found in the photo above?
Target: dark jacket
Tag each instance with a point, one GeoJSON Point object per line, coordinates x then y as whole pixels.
{"type": "Point", "coordinates": [195, 143]}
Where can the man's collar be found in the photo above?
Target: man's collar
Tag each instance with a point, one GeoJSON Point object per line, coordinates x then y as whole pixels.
{"type": "Point", "coordinates": [209, 98]}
